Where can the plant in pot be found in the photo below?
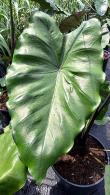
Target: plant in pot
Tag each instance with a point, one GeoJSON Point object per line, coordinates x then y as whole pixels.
{"type": "Point", "coordinates": [57, 88]}
{"type": "Point", "coordinates": [50, 116]}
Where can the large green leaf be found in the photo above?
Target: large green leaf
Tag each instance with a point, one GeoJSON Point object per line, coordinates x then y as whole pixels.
{"type": "Point", "coordinates": [101, 6]}
{"type": "Point", "coordinates": [53, 84]}
{"type": "Point", "coordinates": [12, 170]}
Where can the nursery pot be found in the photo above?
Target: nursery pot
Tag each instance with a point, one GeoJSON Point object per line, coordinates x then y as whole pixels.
{"type": "Point", "coordinates": [76, 189]}
{"type": "Point", "coordinates": [5, 117]}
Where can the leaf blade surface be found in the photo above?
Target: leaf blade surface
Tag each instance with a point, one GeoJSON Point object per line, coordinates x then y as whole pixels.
{"type": "Point", "coordinates": [56, 91]}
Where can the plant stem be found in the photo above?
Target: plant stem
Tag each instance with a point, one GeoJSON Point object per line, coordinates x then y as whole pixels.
{"type": "Point", "coordinates": [12, 28]}
{"type": "Point", "coordinates": [81, 139]}
{"type": "Point", "coordinates": [97, 112]}
{"type": "Point", "coordinates": [105, 103]}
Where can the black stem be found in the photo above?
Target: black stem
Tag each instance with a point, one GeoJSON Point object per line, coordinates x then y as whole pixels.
{"type": "Point", "coordinates": [93, 118]}
{"type": "Point", "coordinates": [12, 28]}
{"type": "Point", "coordinates": [80, 141]}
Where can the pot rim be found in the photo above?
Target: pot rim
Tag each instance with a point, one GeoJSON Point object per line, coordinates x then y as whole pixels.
{"type": "Point", "coordinates": [86, 185]}
{"type": "Point", "coordinates": [2, 110]}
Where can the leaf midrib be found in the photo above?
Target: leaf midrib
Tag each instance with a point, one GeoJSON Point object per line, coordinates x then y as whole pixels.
{"type": "Point", "coordinates": [40, 165]}
{"type": "Point", "coordinates": [61, 62]}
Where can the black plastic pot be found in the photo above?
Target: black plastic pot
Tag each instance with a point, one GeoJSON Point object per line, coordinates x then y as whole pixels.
{"type": "Point", "coordinates": [5, 117]}
{"type": "Point", "coordinates": [74, 189]}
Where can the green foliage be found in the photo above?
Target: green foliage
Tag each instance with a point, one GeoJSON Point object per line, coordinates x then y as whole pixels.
{"type": "Point", "coordinates": [68, 69]}
{"type": "Point", "coordinates": [105, 92]}
{"type": "Point", "coordinates": [3, 46]}
{"type": "Point", "coordinates": [3, 82]}
{"type": "Point", "coordinates": [72, 7]}
{"type": "Point", "coordinates": [12, 170]}
{"type": "Point", "coordinates": [101, 6]}
{"type": "Point", "coordinates": [21, 13]}
{"type": "Point", "coordinates": [107, 180]}
{"type": "Point", "coordinates": [47, 4]}
{"type": "Point", "coordinates": [104, 121]}
{"type": "Point", "coordinates": [105, 35]}
{"type": "Point", "coordinates": [54, 87]}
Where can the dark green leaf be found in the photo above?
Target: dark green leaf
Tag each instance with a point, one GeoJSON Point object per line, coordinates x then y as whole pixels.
{"type": "Point", "coordinates": [2, 15]}
{"type": "Point", "coordinates": [104, 91]}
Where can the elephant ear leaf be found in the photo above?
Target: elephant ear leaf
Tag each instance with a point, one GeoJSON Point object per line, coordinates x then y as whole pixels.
{"type": "Point", "coordinates": [12, 170]}
{"type": "Point", "coordinates": [54, 86]}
